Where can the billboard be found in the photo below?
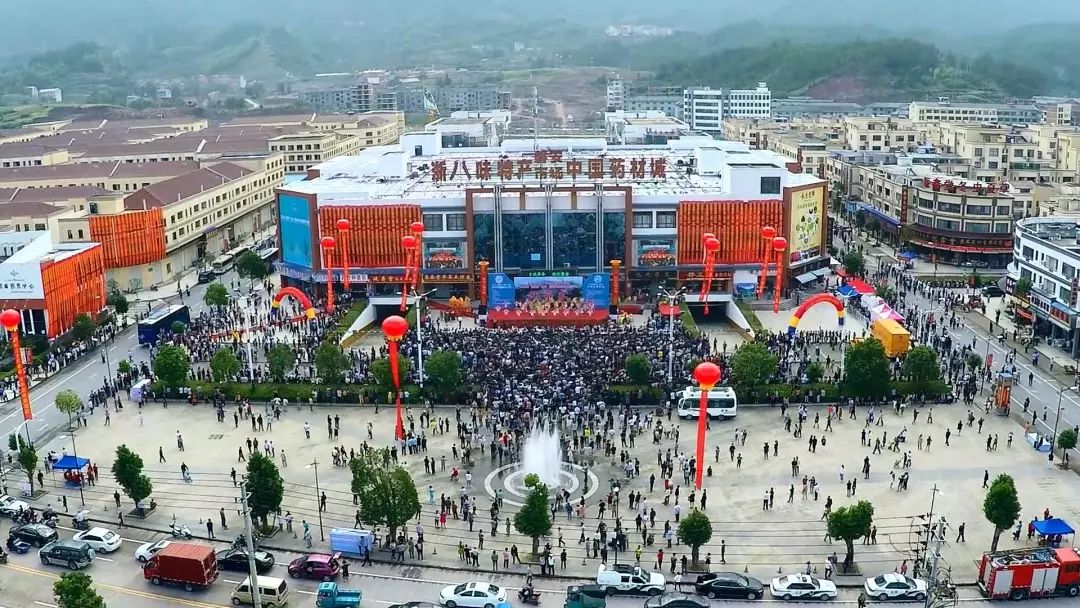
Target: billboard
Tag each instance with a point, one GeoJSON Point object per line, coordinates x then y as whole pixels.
{"type": "Point", "coordinates": [597, 289]}
{"type": "Point", "coordinates": [500, 291]}
{"type": "Point", "coordinates": [443, 255]}
{"type": "Point", "coordinates": [807, 215]}
{"type": "Point", "coordinates": [296, 245]}
{"type": "Point", "coordinates": [21, 281]}
{"type": "Point", "coordinates": [504, 292]}
{"type": "Point", "coordinates": [655, 253]}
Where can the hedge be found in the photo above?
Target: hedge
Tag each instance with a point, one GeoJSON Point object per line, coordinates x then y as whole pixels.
{"type": "Point", "coordinates": [347, 321]}
{"type": "Point", "coordinates": [261, 392]}
{"type": "Point", "coordinates": [751, 316]}
{"type": "Point", "coordinates": [688, 320]}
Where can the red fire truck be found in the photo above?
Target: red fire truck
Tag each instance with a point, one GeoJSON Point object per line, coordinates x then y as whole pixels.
{"type": "Point", "coordinates": [1023, 573]}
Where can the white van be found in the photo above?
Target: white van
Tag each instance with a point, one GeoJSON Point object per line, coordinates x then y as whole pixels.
{"type": "Point", "coordinates": [626, 579]}
{"type": "Point", "coordinates": [721, 403]}
{"type": "Point", "coordinates": [274, 592]}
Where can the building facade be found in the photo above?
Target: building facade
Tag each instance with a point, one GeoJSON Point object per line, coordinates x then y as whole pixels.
{"type": "Point", "coordinates": [705, 108]}
{"type": "Point", "coordinates": [975, 113]}
{"type": "Point", "coordinates": [1046, 258]}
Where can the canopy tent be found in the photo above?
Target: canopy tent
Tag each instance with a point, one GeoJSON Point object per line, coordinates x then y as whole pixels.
{"type": "Point", "coordinates": [1053, 526]}
{"type": "Point", "coordinates": [860, 286]}
{"type": "Point", "coordinates": [908, 255]}
{"type": "Point", "coordinates": [846, 291]}
{"type": "Point", "coordinates": [71, 463]}
{"type": "Point", "coordinates": [895, 316]}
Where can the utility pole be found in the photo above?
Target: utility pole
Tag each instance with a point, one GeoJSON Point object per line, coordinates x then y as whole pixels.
{"type": "Point", "coordinates": [937, 532]}
{"type": "Point", "coordinates": [673, 303]}
{"type": "Point", "coordinates": [253, 573]}
{"type": "Point", "coordinates": [318, 499]}
{"type": "Point", "coordinates": [536, 119]}
{"type": "Point", "coordinates": [420, 299]}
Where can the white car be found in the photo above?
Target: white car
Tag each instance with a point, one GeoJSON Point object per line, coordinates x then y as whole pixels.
{"type": "Point", "coordinates": [10, 506]}
{"type": "Point", "coordinates": [893, 585]}
{"type": "Point", "coordinates": [802, 586]}
{"type": "Point", "coordinates": [148, 550]}
{"type": "Point", "coordinates": [101, 540]}
{"type": "Point", "coordinates": [473, 595]}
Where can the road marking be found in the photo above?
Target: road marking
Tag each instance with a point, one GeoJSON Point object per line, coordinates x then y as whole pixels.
{"type": "Point", "coordinates": [105, 559]}
{"type": "Point", "coordinates": [45, 604]}
{"type": "Point", "coordinates": [117, 588]}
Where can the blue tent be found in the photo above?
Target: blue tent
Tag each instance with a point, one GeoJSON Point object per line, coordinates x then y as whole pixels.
{"type": "Point", "coordinates": [847, 291]}
{"type": "Point", "coordinates": [71, 463]}
{"type": "Point", "coordinates": [1052, 527]}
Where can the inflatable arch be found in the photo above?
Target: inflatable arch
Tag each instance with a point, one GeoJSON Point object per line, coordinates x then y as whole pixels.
{"type": "Point", "coordinates": [297, 295]}
{"type": "Point", "coordinates": [810, 303]}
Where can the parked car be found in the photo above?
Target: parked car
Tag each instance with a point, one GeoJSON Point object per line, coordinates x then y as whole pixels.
{"type": "Point", "coordinates": [71, 553]}
{"type": "Point", "coordinates": [38, 535]}
{"type": "Point", "coordinates": [11, 506]}
{"type": "Point", "coordinates": [319, 566]}
{"type": "Point", "coordinates": [148, 550]}
{"type": "Point", "coordinates": [101, 540]}
{"type": "Point", "coordinates": [677, 600]}
{"type": "Point", "coordinates": [993, 291]}
{"type": "Point", "coordinates": [729, 585]}
{"type": "Point", "coordinates": [630, 580]}
{"type": "Point", "coordinates": [895, 586]}
{"type": "Point", "coordinates": [802, 586]}
{"type": "Point", "coordinates": [206, 276]}
{"type": "Point", "coordinates": [236, 559]}
{"type": "Point", "coordinates": [473, 595]}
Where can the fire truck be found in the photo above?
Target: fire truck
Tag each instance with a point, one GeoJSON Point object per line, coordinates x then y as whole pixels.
{"type": "Point", "coordinates": [1024, 573]}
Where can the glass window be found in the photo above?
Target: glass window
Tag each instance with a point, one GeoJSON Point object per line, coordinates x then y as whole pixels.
{"type": "Point", "coordinates": [982, 227]}
{"type": "Point", "coordinates": [614, 236]}
{"type": "Point", "coordinates": [1002, 228]}
{"type": "Point", "coordinates": [455, 221]}
{"type": "Point", "coordinates": [665, 219]}
{"type": "Point", "coordinates": [770, 185]}
{"type": "Point", "coordinates": [926, 203]}
{"type": "Point", "coordinates": [947, 224]}
{"type": "Point", "coordinates": [949, 207]}
{"type": "Point", "coordinates": [643, 219]}
{"type": "Point", "coordinates": [433, 221]}
{"type": "Point", "coordinates": [484, 236]}
{"type": "Point", "coordinates": [979, 209]}
{"type": "Point", "coordinates": [573, 239]}
{"type": "Point", "coordinates": [523, 241]}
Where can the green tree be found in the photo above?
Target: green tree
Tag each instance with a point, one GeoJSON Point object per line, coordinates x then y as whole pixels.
{"type": "Point", "coordinates": [866, 369]}
{"type": "Point", "coordinates": [921, 368]}
{"type": "Point", "coordinates": [118, 301]}
{"type": "Point", "coordinates": [224, 364]}
{"type": "Point", "coordinates": [171, 365]}
{"type": "Point", "coordinates": [380, 369]}
{"type": "Point", "coordinates": [1066, 441]}
{"type": "Point", "coordinates": [815, 372]}
{"type": "Point", "coordinates": [1022, 288]}
{"type": "Point", "coordinates": [216, 296]}
{"type": "Point", "coordinates": [251, 267]}
{"type": "Point", "coordinates": [534, 517]}
{"type": "Point", "coordinates": [1001, 506]}
{"type": "Point", "coordinates": [638, 369]}
{"type": "Point", "coordinates": [330, 362]}
{"type": "Point", "coordinates": [531, 480]}
{"type": "Point", "coordinates": [443, 370]}
{"type": "Point", "coordinates": [752, 365]}
{"type": "Point", "coordinates": [265, 487]}
{"type": "Point", "coordinates": [178, 327]}
{"type": "Point", "coordinates": [83, 328]}
{"type": "Point", "coordinates": [68, 402]}
{"type": "Point", "coordinates": [387, 493]}
{"type": "Point", "coordinates": [973, 361]}
{"type": "Point", "coordinates": [694, 531]}
{"type": "Point", "coordinates": [281, 360]}
{"type": "Point", "coordinates": [28, 459]}
{"type": "Point", "coordinates": [124, 366]}
{"type": "Point", "coordinates": [850, 523]}
{"type": "Point", "coordinates": [127, 470]}
{"type": "Point", "coordinates": [854, 263]}
{"type": "Point", "coordinates": [76, 590]}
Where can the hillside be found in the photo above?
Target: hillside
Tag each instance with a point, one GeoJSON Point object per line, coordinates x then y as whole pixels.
{"type": "Point", "coordinates": [857, 71]}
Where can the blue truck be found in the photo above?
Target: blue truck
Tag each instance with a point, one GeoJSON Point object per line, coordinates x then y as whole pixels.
{"type": "Point", "coordinates": [161, 320]}
{"type": "Point", "coordinates": [332, 596]}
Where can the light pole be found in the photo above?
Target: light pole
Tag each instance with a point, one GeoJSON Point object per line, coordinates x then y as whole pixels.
{"type": "Point", "coordinates": [75, 453]}
{"type": "Point", "coordinates": [1057, 419]}
{"type": "Point", "coordinates": [318, 498]}
{"type": "Point", "coordinates": [673, 303]}
{"type": "Point", "coordinates": [419, 299]}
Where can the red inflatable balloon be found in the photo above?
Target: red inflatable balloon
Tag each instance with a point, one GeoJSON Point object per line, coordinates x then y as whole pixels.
{"type": "Point", "coordinates": [394, 327]}
{"type": "Point", "coordinates": [10, 319]}
{"type": "Point", "coordinates": [707, 374]}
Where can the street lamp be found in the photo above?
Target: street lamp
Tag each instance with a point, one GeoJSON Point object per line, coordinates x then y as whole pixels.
{"type": "Point", "coordinates": [420, 298]}
{"type": "Point", "coordinates": [1057, 419]}
{"type": "Point", "coordinates": [318, 498]}
{"type": "Point", "coordinates": [673, 303]}
{"type": "Point", "coordinates": [75, 453]}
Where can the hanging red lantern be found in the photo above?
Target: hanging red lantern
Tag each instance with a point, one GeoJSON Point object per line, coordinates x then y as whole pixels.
{"type": "Point", "coordinates": [768, 232]}
{"type": "Point", "coordinates": [712, 244]}
{"type": "Point", "coordinates": [394, 328]}
{"type": "Point", "coordinates": [343, 224]}
{"type": "Point", "coordinates": [408, 241]}
{"type": "Point", "coordinates": [779, 244]}
{"type": "Point", "coordinates": [706, 236]}
{"type": "Point", "coordinates": [328, 243]}
{"type": "Point", "coordinates": [707, 375]}
{"type": "Point", "coordinates": [417, 228]}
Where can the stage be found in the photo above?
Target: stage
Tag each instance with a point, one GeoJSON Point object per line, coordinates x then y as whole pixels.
{"type": "Point", "coordinates": [515, 318]}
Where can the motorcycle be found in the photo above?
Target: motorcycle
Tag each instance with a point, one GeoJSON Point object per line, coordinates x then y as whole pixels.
{"type": "Point", "coordinates": [180, 531]}
{"type": "Point", "coordinates": [52, 521]}
{"type": "Point", "coordinates": [80, 521]}
{"type": "Point", "coordinates": [529, 597]}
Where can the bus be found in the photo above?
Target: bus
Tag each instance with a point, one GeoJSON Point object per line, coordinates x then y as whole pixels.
{"type": "Point", "coordinates": [161, 320]}
{"type": "Point", "coordinates": [722, 403]}
{"type": "Point", "coordinates": [223, 263]}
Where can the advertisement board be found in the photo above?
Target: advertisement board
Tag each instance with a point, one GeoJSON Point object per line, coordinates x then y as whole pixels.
{"type": "Point", "coordinates": [500, 291]}
{"type": "Point", "coordinates": [445, 255]}
{"type": "Point", "coordinates": [295, 229]}
{"type": "Point", "coordinates": [21, 281]}
{"type": "Point", "coordinates": [504, 292]}
{"type": "Point", "coordinates": [807, 215]}
{"type": "Point", "coordinates": [655, 253]}
{"type": "Point", "coordinates": [597, 289]}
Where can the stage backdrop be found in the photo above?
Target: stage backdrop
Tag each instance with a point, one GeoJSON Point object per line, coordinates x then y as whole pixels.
{"type": "Point", "coordinates": [503, 291]}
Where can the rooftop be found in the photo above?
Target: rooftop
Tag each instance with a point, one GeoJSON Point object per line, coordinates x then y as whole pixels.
{"type": "Point", "coordinates": [978, 106]}
{"type": "Point", "coordinates": [183, 186]}
{"type": "Point", "coordinates": [50, 194]}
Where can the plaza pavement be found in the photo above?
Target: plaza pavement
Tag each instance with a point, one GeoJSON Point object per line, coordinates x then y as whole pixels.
{"type": "Point", "coordinates": [760, 542]}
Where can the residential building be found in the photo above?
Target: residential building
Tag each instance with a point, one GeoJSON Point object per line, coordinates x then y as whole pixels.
{"type": "Point", "coordinates": [53, 95]}
{"type": "Point", "coordinates": [38, 209]}
{"type": "Point", "coordinates": [794, 108]}
{"type": "Point", "coordinates": [116, 176]}
{"type": "Point", "coordinates": [31, 155]}
{"type": "Point", "coordinates": [1046, 254]}
{"type": "Point", "coordinates": [749, 103]}
{"type": "Point", "coordinates": [807, 148]}
{"type": "Point", "coordinates": [306, 149]}
{"type": "Point", "coordinates": [357, 97]}
{"type": "Point", "coordinates": [974, 113]}
{"type": "Point", "coordinates": [643, 128]}
{"type": "Point", "coordinates": [471, 99]}
{"type": "Point", "coordinates": [616, 95]}
{"type": "Point", "coordinates": [705, 108]}
{"type": "Point", "coordinates": [671, 105]}
{"type": "Point", "coordinates": [880, 134]}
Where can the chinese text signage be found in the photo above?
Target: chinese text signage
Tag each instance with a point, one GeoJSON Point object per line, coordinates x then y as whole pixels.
{"type": "Point", "coordinates": [550, 166]}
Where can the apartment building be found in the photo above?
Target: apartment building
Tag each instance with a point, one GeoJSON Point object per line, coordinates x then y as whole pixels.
{"type": "Point", "coordinates": [1046, 253]}
{"type": "Point", "coordinates": [879, 134]}
{"type": "Point", "coordinates": [671, 105]}
{"type": "Point", "coordinates": [156, 233]}
{"type": "Point", "coordinates": [616, 95]}
{"type": "Point", "coordinates": [794, 108]}
{"type": "Point", "coordinates": [809, 150]}
{"type": "Point", "coordinates": [304, 150]}
{"type": "Point", "coordinates": [703, 109]}
{"type": "Point", "coordinates": [749, 103]}
{"type": "Point", "coordinates": [31, 155]}
{"type": "Point", "coordinates": [116, 176]}
{"type": "Point", "coordinates": [358, 97]}
{"type": "Point", "coordinates": [974, 113]}
{"type": "Point", "coordinates": [38, 209]}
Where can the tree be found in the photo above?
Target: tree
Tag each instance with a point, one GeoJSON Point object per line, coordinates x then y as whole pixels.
{"type": "Point", "coordinates": [265, 487]}
{"type": "Point", "coordinates": [815, 372]}
{"type": "Point", "coordinates": [921, 368]}
{"type": "Point", "coordinates": [638, 369]}
{"type": "Point", "coordinates": [380, 368]}
{"type": "Point", "coordinates": [534, 517]}
{"type": "Point", "coordinates": [28, 459]}
{"type": "Point", "coordinates": [83, 328]}
{"type": "Point", "coordinates": [250, 266]}
{"type": "Point", "coordinates": [68, 402]}
{"type": "Point", "coordinates": [1001, 506]}
{"type": "Point", "coordinates": [171, 365]}
{"type": "Point", "coordinates": [127, 470]}
{"type": "Point", "coordinates": [695, 531]}
{"type": "Point", "coordinates": [752, 365]}
{"type": "Point", "coordinates": [281, 360]}
{"type": "Point", "coordinates": [216, 295]}
{"type": "Point", "coordinates": [118, 301]}
{"type": "Point", "coordinates": [443, 370]}
{"type": "Point", "coordinates": [854, 263]}
{"type": "Point", "coordinates": [124, 366]}
{"type": "Point", "coordinates": [178, 327]}
{"type": "Point", "coordinates": [1066, 441]}
{"type": "Point", "coordinates": [330, 362]}
{"type": "Point", "coordinates": [387, 493]}
{"type": "Point", "coordinates": [850, 523]}
{"type": "Point", "coordinates": [224, 364]}
{"type": "Point", "coordinates": [1022, 288]}
{"type": "Point", "coordinates": [866, 369]}
{"type": "Point", "coordinates": [973, 361]}
{"type": "Point", "coordinates": [75, 590]}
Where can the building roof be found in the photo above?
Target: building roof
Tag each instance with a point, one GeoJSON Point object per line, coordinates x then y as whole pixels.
{"type": "Point", "coordinates": [183, 186]}
{"type": "Point", "coordinates": [22, 150]}
{"type": "Point", "coordinates": [980, 106]}
{"type": "Point", "coordinates": [172, 145]}
{"type": "Point", "coordinates": [50, 194]}
{"type": "Point", "coordinates": [274, 119]}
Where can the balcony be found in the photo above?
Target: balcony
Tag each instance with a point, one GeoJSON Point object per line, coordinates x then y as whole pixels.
{"type": "Point", "coordinates": [1025, 166]}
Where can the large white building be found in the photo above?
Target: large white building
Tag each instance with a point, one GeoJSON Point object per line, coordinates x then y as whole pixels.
{"type": "Point", "coordinates": [1047, 254]}
{"type": "Point", "coordinates": [975, 113]}
{"type": "Point", "coordinates": [705, 108]}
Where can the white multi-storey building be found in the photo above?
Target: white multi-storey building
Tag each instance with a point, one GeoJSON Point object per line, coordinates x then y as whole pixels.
{"type": "Point", "coordinates": [1046, 253]}
{"type": "Point", "coordinates": [705, 108]}
{"type": "Point", "coordinates": [977, 113]}
{"type": "Point", "coordinates": [616, 95]}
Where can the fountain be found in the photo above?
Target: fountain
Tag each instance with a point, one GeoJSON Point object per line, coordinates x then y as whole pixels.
{"type": "Point", "coordinates": [542, 455]}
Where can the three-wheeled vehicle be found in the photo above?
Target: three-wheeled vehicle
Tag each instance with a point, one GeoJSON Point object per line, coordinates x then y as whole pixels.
{"type": "Point", "coordinates": [585, 596]}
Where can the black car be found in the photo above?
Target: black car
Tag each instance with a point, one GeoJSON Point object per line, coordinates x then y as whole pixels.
{"type": "Point", "coordinates": [237, 560]}
{"type": "Point", "coordinates": [38, 535]}
{"type": "Point", "coordinates": [677, 600]}
{"type": "Point", "coordinates": [206, 276]}
{"type": "Point", "coordinates": [414, 605]}
{"type": "Point", "coordinates": [993, 291]}
{"type": "Point", "coordinates": [729, 585]}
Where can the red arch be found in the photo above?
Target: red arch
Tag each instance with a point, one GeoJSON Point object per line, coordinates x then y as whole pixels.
{"type": "Point", "coordinates": [814, 301]}
{"type": "Point", "coordinates": [297, 295]}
